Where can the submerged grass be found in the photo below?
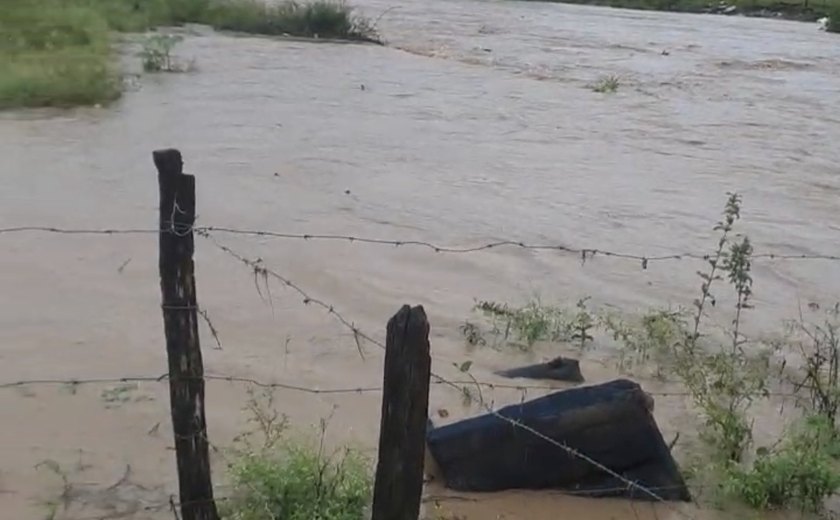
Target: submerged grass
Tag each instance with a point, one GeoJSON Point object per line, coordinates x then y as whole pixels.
{"type": "Point", "coordinates": [58, 52]}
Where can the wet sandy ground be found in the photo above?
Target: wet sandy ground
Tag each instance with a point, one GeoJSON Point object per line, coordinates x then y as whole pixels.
{"type": "Point", "coordinates": [449, 143]}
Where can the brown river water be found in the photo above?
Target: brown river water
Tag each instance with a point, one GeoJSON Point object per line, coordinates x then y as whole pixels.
{"type": "Point", "coordinates": [475, 124]}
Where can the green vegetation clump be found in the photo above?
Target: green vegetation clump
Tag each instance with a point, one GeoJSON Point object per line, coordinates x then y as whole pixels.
{"type": "Point", "coordinates": [277, 478]}
{"type": "Point", "coordinates": [647, 341]}
{"type": "Point", "coordinates": [157, 53]}
{"type": "Point", "coordinates": [52, 54]}
{"type": "Point", "coordinates": [607, 85]}
{"type": "Point", "coordinates": [833, 19]}
{"type": "Point", "coordinates": [59, 53]}
{"type": "Point", "coordinates": [535, 322]}
{"type": "Point", "coordinates": [318, 19]}
{"type": "Point", "coordinates": [299, 482]}
{"type": "Point", "coordinates": [803, 10]}
{"type": "Point", "coordinates": [801, 473]}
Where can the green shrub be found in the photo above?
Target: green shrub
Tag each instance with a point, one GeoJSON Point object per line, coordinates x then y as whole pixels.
{"type": "Point", "coordinates": [320, 18]}
{"type": "Point", "coordinates": [298, 483]}
{"type": "Point", "coordinates": [157, 53]}
{"type": "Point", "coordinates": [647, 341]}
{"type": "Point", "coordinates": [801, 474]}
{"type": "Point", "coordinates": [530, 323]}
{"type": "Point", "coordinates": [275, 478]}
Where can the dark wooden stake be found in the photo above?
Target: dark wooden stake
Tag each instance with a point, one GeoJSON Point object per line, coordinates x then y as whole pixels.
{"type": "Point", "coordinates": [405, 408]}
{"type": "Point", "coordinates": [180, 321]}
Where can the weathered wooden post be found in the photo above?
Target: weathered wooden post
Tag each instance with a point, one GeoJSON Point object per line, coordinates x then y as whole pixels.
{"type": "Point", "coordinates": [180, 321]}
{"type": "Point", "coordinates": [405, 407]}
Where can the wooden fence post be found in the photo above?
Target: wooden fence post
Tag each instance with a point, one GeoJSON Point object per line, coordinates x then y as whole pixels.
{"type": "Point", "coordinates": [405, 408]}
{"type": "Point", "coordinates": [180, 320]}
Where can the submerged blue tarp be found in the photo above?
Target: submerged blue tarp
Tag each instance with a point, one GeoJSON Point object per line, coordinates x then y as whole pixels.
{"type": "Point", "coordinates": [609, 423]}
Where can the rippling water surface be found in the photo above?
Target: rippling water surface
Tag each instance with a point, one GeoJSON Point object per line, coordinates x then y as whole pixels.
{"type": "Point", "coordinates": [475, 124]}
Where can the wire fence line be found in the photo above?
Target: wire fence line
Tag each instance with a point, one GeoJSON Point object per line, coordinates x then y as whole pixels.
{"type": "Point", "coordinates": [316, 390]}
{"type": "Point", "coordinates": [260, 270]}
{"type": "Point", "coordinates": [585, 253]}
{"type": "Point", "coordinates": [262, 273]}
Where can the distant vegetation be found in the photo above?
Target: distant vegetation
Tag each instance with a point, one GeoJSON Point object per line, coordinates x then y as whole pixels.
{"type": "Point", "coordinates": [60, 52]}
{"type": "Point", "coordinates": [834, 19]}
{"type": "Point", "coordinates": [607, 85]}
{"type": "Point", "coordinates": [805, 10]}
{"type": "Point", "coordinates": [318, 19]}
{"type": "Point", "coordinates": [53, 54]}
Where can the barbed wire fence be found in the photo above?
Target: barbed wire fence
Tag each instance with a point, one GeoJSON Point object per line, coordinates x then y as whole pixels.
{"type": "Point", "coordinates": [257, 268]}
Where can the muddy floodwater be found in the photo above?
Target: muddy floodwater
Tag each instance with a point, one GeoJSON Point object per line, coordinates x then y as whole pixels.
{"type": "Point", "coordinates": [474, 124]}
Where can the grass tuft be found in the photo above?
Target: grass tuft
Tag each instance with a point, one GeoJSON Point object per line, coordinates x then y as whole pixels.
{"type": "Point", "coordinates": [607, 85]}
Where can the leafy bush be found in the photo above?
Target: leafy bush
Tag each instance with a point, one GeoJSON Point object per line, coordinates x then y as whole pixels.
{"type": "Point", "coordinates": [800, 474]}
{"type": "Point", "coordinates": [724, 381]}
{"type": "Point", "coordinates": [298, 482]}
{"type": "Point", "coordinates": [530, 323]}
{"type": "Point", "coordinates": [320, 18]}
{"type": "Point", "coordinates": [650, 338]}
{"type": "Point", "coordinates": [157, 53]}
{"type": "Point", "coordinates": [283, 479]}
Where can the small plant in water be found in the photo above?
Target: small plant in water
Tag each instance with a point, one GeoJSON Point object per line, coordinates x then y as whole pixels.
{"type": "Point", "coordinates": [582, 324]}
{"type": "Point", "coordinates": [820, 375]}
{"type": "Point", "coordinates": [157, 53]}
{"type": "Point", "coordinates": [532, 323]}
{"type": "Point", "coordinates": [293, 479]}
{"type": "Point", "coordinates": [472, 334]}
{"type": "Point", "coordinates": [724, 382]}
{"type": "Point", "coordinates": [607, 85]}
{"type": "Point", "coordinates": [650, 338]}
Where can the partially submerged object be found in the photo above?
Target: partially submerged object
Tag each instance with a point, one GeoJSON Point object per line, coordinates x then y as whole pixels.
{"type": "Point", "coordinates": [558, 369]}
{"type": "Point", "coordinates": [823, 23]}
{"type": "Point", "coordinates": [563, 441]}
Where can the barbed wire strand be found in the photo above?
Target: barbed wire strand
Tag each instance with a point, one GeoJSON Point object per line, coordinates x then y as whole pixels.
{"type": "Point", "coordinates": [584, 252]}
{"type": "Point", "coordinates": [79, 381]}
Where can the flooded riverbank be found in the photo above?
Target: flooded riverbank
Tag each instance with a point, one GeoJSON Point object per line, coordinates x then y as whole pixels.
{"type": "Point", "coordinates": [474, 125]}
